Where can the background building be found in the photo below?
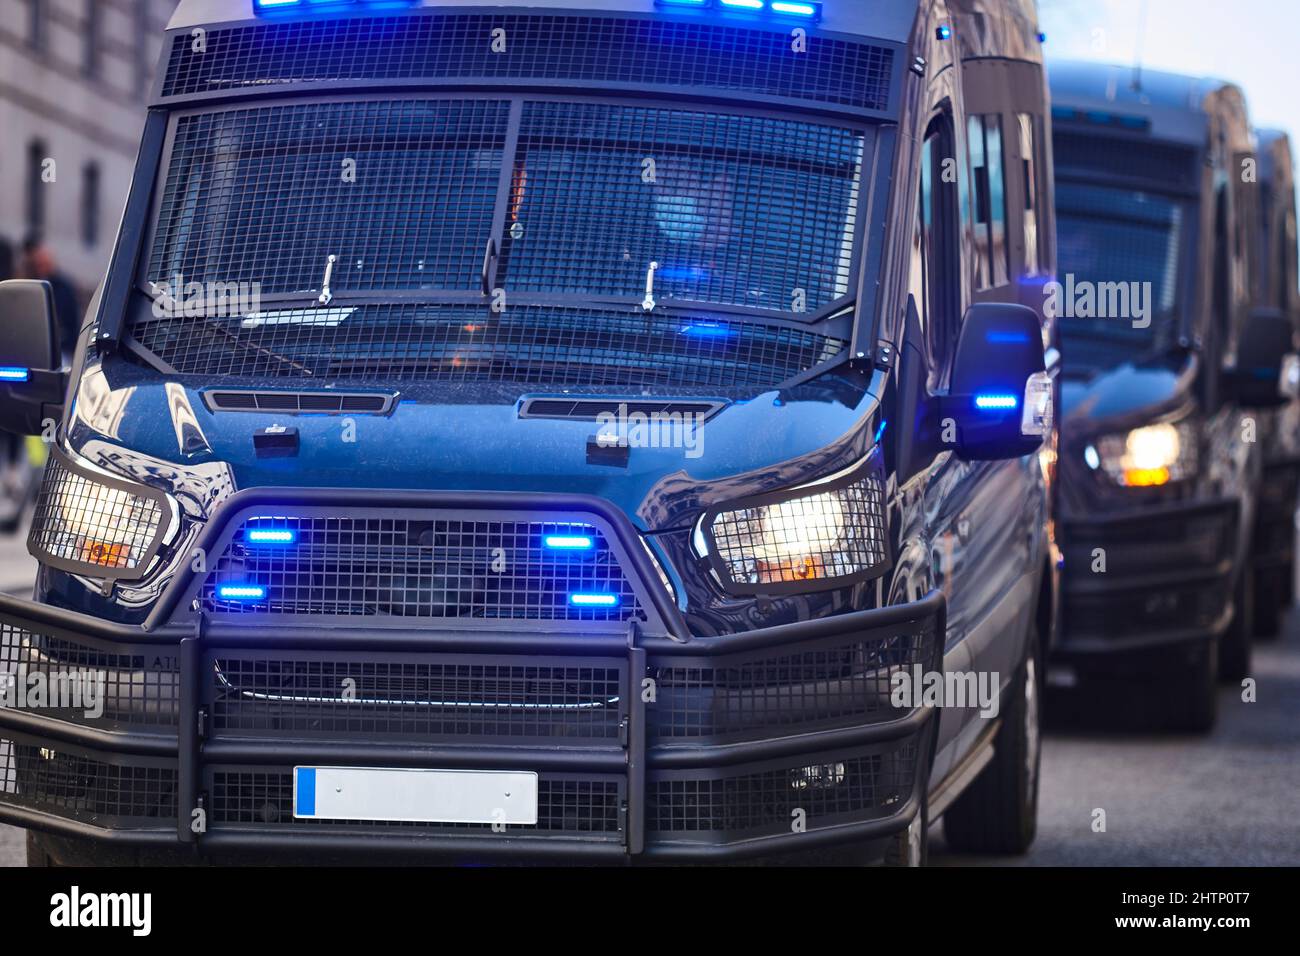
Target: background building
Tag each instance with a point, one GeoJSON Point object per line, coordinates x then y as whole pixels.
{"type": "Point", "coordinates": [74, 79]}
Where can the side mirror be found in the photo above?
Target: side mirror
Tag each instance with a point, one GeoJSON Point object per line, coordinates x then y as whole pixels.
{"type": "Point", "coordinates": [1002, 399]}
{"type": "Point", "coordinates": [1263, 351]}
{"type": "Point", "coordinates": [32, 382]}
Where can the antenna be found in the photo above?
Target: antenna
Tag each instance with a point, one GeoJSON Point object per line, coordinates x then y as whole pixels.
{"type": "Point", "coordinates": [1140, 45]}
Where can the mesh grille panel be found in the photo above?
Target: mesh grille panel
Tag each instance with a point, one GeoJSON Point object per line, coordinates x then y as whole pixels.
{"type": "Point", "coordinates": [83, 788]}
{"type": "Point", "coordinates": [566, 804]}
{"type": "Point", "coordinates": [734, 209]}
{"type": "Point", "coordinates": [431, 700]}
{"type": "Point", "coordinates": [641, 53]}
{"type": "Point", "coordinates": [835, 534]}
{"type": "Point", "coordinates": [78, 519]}
{"type": "Point", "coordinates": [756, 695]}
{"type": "Point", "coordinates": [405, 567]}
{"type": "Point", "coordinates": [753, 804]}
{"type": "Point", "coordinates": [264, 196]}
{"type": "Point", "coordinates": [80, 683]}
{"type": "Point", "coordinates": [525, 345]}
{"type": "Point", "coordinates": [1158, 162]}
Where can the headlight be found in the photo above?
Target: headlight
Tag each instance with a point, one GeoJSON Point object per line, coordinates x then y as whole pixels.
{"type": "Point", "coordinates": [1148, 456]}
{"type": "Point", "coordinates": [92, 523]}
{"type": "Point", "coordinates": [809, 539]}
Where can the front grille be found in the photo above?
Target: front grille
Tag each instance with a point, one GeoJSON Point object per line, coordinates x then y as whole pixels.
{"type": "Point", "coordinates": [104, 685]}
{"type": "Point", "coordinates": [423, 567]}
{"type": "Point", "coordinates": [529, 346]}
{"type": "Point", "coordinates": [62, 780]}
{"type": "Point", "coordinates": [828, 791]}
{"type": "Point", "coordinates": [567, 804]}
{"type": "Point", "coordinates": [449, 699]}
{"type": "Point", "coordinates": [761, 694]}
{"type": "Point", "coordinates": [641, 54]}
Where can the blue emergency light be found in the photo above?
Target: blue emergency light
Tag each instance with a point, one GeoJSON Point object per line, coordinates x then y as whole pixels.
{"type": "Point", "coordinates": [285, 6]}
{"type": "Point", "coordinates": [990, 403]}
{"type": "Point", "coordinates": [799, 9]}
{"type": "Point", "coordinates": [241, 592]}
{"type": "Point", "coordinates": [15, 374]}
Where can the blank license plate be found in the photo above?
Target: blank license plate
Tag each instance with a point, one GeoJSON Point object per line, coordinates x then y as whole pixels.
{"type": "Point", "coordinates": [415, 796]}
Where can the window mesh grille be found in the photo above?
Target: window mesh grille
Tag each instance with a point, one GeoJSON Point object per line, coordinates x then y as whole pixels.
{"type": "Point", "coordinates": [640, 53]}
{"type": "Point", "coordinates": [527, 345]}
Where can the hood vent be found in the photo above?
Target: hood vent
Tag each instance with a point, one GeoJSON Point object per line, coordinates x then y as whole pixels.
{"type": "Point", "coordinates": [590, 409]}
{"type": "Point", "coordinates": [318, 403]}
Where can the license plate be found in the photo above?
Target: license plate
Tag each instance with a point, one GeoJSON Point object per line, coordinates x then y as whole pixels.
{"type": "Point", "coordinates": [415, 796]}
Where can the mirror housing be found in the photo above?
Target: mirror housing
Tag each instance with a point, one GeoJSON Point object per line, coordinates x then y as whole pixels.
{"type": "Point", "coordinates": [1002, 398]}
{"type": "Point", "coordinates": [32, 381]}
{"type": "Point", "coordinates": [1263, 350]}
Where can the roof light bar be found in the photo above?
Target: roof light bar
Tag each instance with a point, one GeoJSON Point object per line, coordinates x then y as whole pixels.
{"type": "Point", "coordinates": [285, 6]}
{"type": "Point", "coordinates": [802, 9]}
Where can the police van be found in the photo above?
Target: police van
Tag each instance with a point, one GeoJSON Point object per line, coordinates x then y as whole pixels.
{"type": "Point", "coordinates": [1167, 366]}
{"type": "Point", "coordinates": [609, 431]}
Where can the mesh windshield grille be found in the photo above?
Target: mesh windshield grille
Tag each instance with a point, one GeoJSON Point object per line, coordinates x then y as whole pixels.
{"type": "Point", "coordinates": [264, 196]}
{"type": "Point", "coordinates": [440, 567]}
{"type": "Point", "coordinates": [1092, 153]}
{"type": "Point", "coordinates": [525, 345]}
{"type": "Point", "coordinates": [579, 49]}
{"type": "Point", "coordinates": [735, 209]}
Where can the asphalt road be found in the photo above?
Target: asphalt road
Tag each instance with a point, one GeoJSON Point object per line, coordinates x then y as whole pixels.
{"type": "Point", "coordinates": [1225, 799]}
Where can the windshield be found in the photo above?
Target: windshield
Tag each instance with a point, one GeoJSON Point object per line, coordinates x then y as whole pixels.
{"type": "Point", "coordinates": [757, 215]}
{"type": "Point", "coordinates": [1119, 252]}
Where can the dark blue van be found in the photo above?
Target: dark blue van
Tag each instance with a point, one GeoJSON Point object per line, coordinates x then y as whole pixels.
{"type": "Point", "coordinates": [1166, 366]}
{"type": "Point", "coordinates": [605, 430]}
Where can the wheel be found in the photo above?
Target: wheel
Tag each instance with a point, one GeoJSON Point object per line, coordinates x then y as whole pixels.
{"type": "Point", "coordinates": [1234, 646]}
{"type": "Point", "coordinates": [998, 813]}
{"type": "Point", "coordinates": [1191, 702]}
{"type": "Point", "coordinates": [36, 854]}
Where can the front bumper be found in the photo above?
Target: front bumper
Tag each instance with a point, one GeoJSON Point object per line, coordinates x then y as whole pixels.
{"type": "Point", "coordinates": [647, 747]}
{"type": "Point", "coordinates": [1138, 583]}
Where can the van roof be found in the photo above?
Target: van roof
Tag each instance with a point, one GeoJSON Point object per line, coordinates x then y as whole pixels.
{"type": "Point", "coordinates": [1176, 105]}
{"type": "Point", "coordinates": [1007, 28]}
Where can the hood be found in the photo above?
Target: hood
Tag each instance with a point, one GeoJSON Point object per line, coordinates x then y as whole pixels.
{"type": "Point", "coordinates": [434, 445]}
{"type": "Point", "coordinates": [1125, 396]}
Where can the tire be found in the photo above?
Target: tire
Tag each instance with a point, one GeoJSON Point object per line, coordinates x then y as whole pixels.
{"type": "Point", "coordinates": [998, 813]}
{"type": "Point", "coordinates": [1234, 646]}
{"type": "Point", "coordinates": [1191, 703]}
{"type": "Point", "coordinates": [37, 857]}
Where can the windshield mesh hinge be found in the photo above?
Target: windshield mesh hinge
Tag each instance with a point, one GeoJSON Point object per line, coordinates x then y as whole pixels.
{"type": "Point", "coordinates": [884, 355]}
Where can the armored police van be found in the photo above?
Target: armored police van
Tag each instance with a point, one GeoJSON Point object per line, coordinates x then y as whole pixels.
{"type": "Point", "coordinates": [608, 431]}
{"type": "Point", "coordinates": [1165, 368]}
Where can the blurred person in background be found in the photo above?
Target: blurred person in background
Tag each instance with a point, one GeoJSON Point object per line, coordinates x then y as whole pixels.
{"type": "Point", "coordinates": [39, 263]}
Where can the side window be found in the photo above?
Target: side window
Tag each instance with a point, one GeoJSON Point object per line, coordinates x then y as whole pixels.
{"type": "Point", "coordinates": [984, 143]}
{"type": "Point", "coordinates": [1028, 128]}
{"type": "Point", "coordinates": [939, 276]}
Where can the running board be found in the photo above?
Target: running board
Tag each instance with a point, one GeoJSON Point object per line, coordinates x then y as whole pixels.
{"type": "Point", "coordinates": [943, 796]}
